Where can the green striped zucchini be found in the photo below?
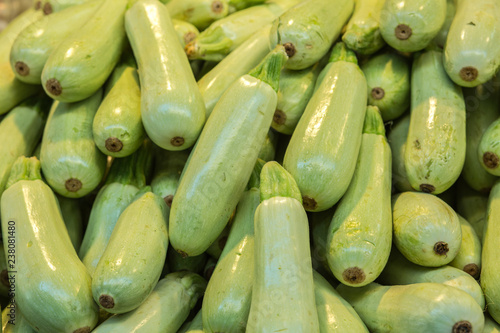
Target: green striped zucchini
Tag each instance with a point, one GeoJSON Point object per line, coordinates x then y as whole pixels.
{"type": "Point", "coordinates": [172, 109]}
{"type": "Point", "coordinates": [219, 169]}
{"type": "Point", "coordinates": [72, 164]}
{"type": "Point", "coordinates": [52, 286]}
{"type": "Point", "coordinates": [325, 144]}
{"type": "Point", "coordinates": [360, 233]}
{"type": "Point", "coordinates": [81, 63]}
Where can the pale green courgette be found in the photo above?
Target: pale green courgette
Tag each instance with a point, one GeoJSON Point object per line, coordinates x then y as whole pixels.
{"type": "Point", "coordinates": [490, 326]}
{"type": "Point", "coordinates": [360, 233]}
{"type": "Point", "coordinates": [196, 325]}
{"type": "Point", "coordinates": [82, 62]}
{"type": "Point", "coordinates": [222, 161]}
{"type": "Point", "coordinates": [72, 216]}
{"type": "Point", "coordinates": [362, 33]}
{"type": "Point", "coordinates": [185, 31]}
{"type": "Point", "coordinates": [268, 150]}
{"type": "Point", "coordinates": [308, 30]}
{"type": "Point", "coordinates": [442, 35]}
{"type": "Point", "coordinates": [72, 164]}
{"type": "Point", "coordinates": [166, 308]}
{"type": "Point", "coordinates": [52, 6]}
{"type": "Point", "coordinates": [435, 147]}
{"type": "Point", "coordinates": [488, 153]}
{"type": "Point", "coordinates": [415, 308]}
{"type": "Point", "coordinates": [468, 257]}
{"type": "Point", "coordinates": [397, 139]}
{"type": "Point", "coordinates": [324, 147]}
{"type": "Point", "coordinates": [52, 286]}
{"type": "Point", "coordinates": [227, 300]}
{"type": "Point", "coordinates": [426, 230]}
{"type": "Point", "coordinates": [172, 108]}
{"type": "Point", "coordinates": [200, 13]}
{"type": "Point", "coordinates": [13, 321]}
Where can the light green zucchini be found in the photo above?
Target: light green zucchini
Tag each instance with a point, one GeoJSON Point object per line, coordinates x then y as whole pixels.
{"type": "Point", "coordinates": [242, 4]}
{"type": "Point", "coordinates": [169, 165]}
{"type": "Point", "coordinates": [435, 149]}
{"type": "Point", "coordinates": [166, 308]}
{"type": "Point", "coordinates": [473, 206]}
{"type": "Point", "coordinates": [471, 53]}
{"type": "Point", "coordinates": [268, 150]}
{"type": "Point", "coordinates": [319, 224]}
{"type": "Point", "coordinates": [426, 230]}
{"type": "Point", "coordinates": [388, 78]}
{"type": "Point", "coordinates": [220, 166]}
{"type": "Point", "coordinates": [283, 289]}
{"type": "Point", "coordinates": [415, 308]}
{"type": "Point", "coordinates": [176, 262]}
{"type": "Point", "coordinates": [442, 35]}
{"type": "Point", "coordinates": [362, 33]}
{"type": "Point", "coordinates": [13, 91]}
{"type": "Point", "coordinates": [296, 89]}
{"type": "Point", "coordinates": [397, 140]}
{"type": "Point", "coordinates": [216, 248]}
{"type": "Point", "coordinates": [490, 254]}
{"type": "Point", "coordinates": [53, 6]}
{"type": "Point", "coordinates": [52, 286]}
{"type": "Point", "coordinates": [225, 35]}
{"type": "Point", "coordinates": [482, 110]}
{"type": "Point", "coordinates": [240, 61]}
{"type": "Point", "coordinates": [72, 217]}
{"type": "Point", "coordinates": [410, 25]}
{"type": "Point", "coordinates": [401, 271]}
{"type": "Point", "coordinates": [334, 313]}
{"type": "Point", "coordinates": [490, 326]}
{"type": "Point", "coordinates": [21, 130]}
{"type": "Point", "coordinates": [33, 46]}
{"type": "Point", "coordinates": [124, 180]}
{"type": "Point", "coordinates": [82, 62]}
{"type": "Point", "coordinates": [468, 257]}
{"type": "Point", "coordinates": [172, 109]}
{"type": "Point", "coordinates": [196, 325]}
{"type": "Point", "coordinates": [185, 31]}
{"type": "Point", "coordinates": [487, 151]}
{"type": "Point", "coordinates": [72, 164]}
{"type": "Point", "coordinates": [308, 30]}
{"type": "Point", "coordinates": [4, 275]}
{"type": "Point", "coordinates": [360, 233]}
{"type": "Point", "coordinates": [14, 322]}
{"type": "Point", "coordinates": [117, 127]}
{"type": "Point", "coordinates": [325, 144]}
{"type": "Point", "coordinates": [200, 13]}
{"type": "Point", "coordinates": [227, 300]}
{"type": "Point", "coordinates": [125, 276]}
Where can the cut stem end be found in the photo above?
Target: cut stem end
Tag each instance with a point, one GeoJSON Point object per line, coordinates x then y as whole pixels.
{"type": "Point", "coordinates": [22, 69]}
{"type": "Point", "coordinates": [468, 74]}
{"type": "Point", "coordinates": [53, 87]}
{"type": "Point", "coordinates": [106, 301]}
{"type": "Point", "coordinates": [378, 93]}
{"type": "Point", "coordinates": [354, 275]}
{"type": "Point", "coordinates": [463, 326]}
{"type": "Point", "coordinates": [73, 185]}
{"type": "Point", "coordinates": [113, 145]}
{"type": "Point", "coordinates": [491, 160]}
{"type": "Point", "coordinates": [403, 32]}
{"type": "Point", "coordinates": [441, 248]}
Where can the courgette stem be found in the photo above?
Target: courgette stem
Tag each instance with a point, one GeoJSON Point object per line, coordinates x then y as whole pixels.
{"type": "Point", "coordinates": [340, 52]}
{"type": "Point", "coordinates": [373, 121]}
{"type": "Point", "coordinates": [275, 181]}
{"type": "Point", "coordinates": [211, 41]}
{"type": "Point", "coordinates": [24, 168]}
{"type": "Point", "coordinates": [132, 170]}
{"type": "Point", "coordinates": [269, 69]}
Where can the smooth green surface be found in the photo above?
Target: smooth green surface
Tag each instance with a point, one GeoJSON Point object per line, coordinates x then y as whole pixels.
{"type": "Point", "coordinates": [172, 108]}
{"type": "Point", "coordinates": [420, 221]}
{"type": "Point", "coordinates": [442, 35]}
{"type": "Point", "coordinates": [275, 181]}
{"type": "Point", "coordinates": [14, 322]}
{"type": "Point", "coordinates": [397, 139]}
{"type": "Point", "coordinates": [83, 61]}
{"type": "Point", "coordinates": [68, 148]}
{"type": "Point", "coordinates": [435, 149]}
{"type": "Point", "coordinates": [468, 258]}
{"type": "Point", "coordinates": [72, 216]}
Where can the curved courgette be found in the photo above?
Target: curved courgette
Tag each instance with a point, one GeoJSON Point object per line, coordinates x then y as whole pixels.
{"type": "Point", "coordinates": [324, 147]}
{"type": "Point", "coordinates": [426, 230]}
{"type": "Point", "coordinates": [435, 147]}
{"type": "Point", "coordinates": [308, 30]}
{"type": "Point", "coordinates": [172, 109]}
{"type": "Point", "coordinates": [471, 53]}
{"type": "Point", "coordinates": [166, 308]}
{"type": "Point", "coordinates": [415, 308]}
{"type": "Point", "coordinates": [360, 233]}
{"type": "Point", "coordinates": [410, 25]}
{"type": "Point", "coordinates": [33, 46]}
{"type": "Point", "coordinates": [362, 33]}
{"type": "Point", "coordinates": [220, 166]}
{"type": "Point", "coordinates": [72, 164]}
{"type": "Point", "coordinates": [487, 151]}
{"type": "Point", "coordinates": [388, 78]}
{"type": "Point", "coordinates": [227, 300]}
{"type": "Point", "coordinates": [117, 127]}
{"type": "Point", "coordinates": [53, 287]}
{"type": "Point", "coordinates": [81, 63]}
{"type": "Point", "coordinates": [127, 274]}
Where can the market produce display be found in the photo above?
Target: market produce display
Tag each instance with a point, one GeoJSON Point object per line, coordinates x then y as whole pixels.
{"type": "Point", "coordinates": [308, 166]}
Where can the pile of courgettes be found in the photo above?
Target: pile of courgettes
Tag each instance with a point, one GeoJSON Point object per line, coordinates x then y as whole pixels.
{"type": "Point", "coordinates": [250, 166]}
